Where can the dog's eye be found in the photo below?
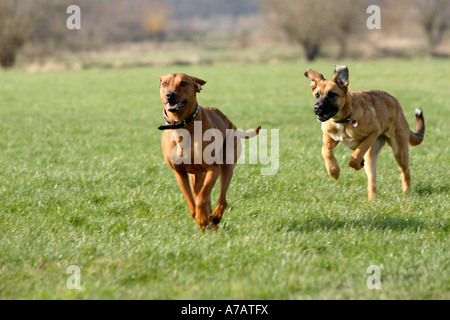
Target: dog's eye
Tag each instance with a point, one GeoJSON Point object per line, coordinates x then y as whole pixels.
{"type": "Point", "coordinates": [164, 84]}
{"type": "Point", "coordinates": [183, 84]}
{"type": "Point", "coordinates": [332, 94]}
{"type": "Point", "coordinates": [317, 95]}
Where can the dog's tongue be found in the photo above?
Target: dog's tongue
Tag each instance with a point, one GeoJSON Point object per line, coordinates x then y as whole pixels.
{"type": "Point", "coordinates": [176, 106]}
{"type": "Point", "coordinates": [172, 107]}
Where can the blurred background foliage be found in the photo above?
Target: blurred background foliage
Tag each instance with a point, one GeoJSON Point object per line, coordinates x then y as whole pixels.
{"type": "Point", "coordinates": [178, 31]}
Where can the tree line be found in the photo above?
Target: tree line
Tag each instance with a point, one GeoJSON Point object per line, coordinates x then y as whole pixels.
{"type": "Point", "coordinates": [309, 24]}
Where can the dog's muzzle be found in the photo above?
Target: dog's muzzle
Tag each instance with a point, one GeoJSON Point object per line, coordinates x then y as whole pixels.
{"type": "Point", "coordinates": [324, 113]}
{"type": "Point", "coordinates": [172, 104]}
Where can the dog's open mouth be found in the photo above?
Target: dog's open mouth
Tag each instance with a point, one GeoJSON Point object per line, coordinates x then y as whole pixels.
{"type": "Point", "coordinates": [325, 112]}
{"type": "Point", "coordinates": [175, 107]}
{"type": "Point", "coordinates": [325, 117]}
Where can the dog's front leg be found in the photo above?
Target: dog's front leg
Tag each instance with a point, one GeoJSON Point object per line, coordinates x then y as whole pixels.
{"type": "Point", "coordinates": [356, 160]}
{"type": "Point", "coordinates": [183, 183]}
{"type": "Point", "coordinates": [328, 155]}
{"type": "Point", "coordinates": [203, 199]}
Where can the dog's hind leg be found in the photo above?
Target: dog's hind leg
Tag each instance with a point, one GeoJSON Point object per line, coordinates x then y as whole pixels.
{"type": "Point", "coordinates": [370, 166]}
{"type": "Point", "coordinates": [401, 154]}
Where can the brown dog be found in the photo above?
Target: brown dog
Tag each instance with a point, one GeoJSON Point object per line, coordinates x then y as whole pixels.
{"type": "Point", "coordinates": [362, 121]}
{"type": "Point", "coordinates": [187, 147]}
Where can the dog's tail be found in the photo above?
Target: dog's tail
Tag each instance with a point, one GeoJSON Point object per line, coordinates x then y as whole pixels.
{"type": "Point", "coordinates": [247, 135]}
{"type": "Point", "coordinates": [416, 138]}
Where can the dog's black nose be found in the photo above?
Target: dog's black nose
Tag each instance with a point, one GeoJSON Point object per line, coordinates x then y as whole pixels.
{"type": "Point", "coordinates": [317, 109]}
{"type": "Point", "coordinates": [171, 96]}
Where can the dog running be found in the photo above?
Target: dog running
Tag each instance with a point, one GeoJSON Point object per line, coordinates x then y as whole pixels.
{"type": "Point", "coordinates": [362, 121]}
{"type": "Point", "coordinates": [184, 118]}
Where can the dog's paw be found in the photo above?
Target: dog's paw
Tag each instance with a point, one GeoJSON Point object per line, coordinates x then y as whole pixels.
{"type": "Point", "coordinates": [334, 172]}
{"type": "Point", "coordinates": [332, 168]}
{"type": "Point", "coordinates": [214, 220]}
{"type": "Point", "coordinates": [355, 163]}
{"type": "Point", "coordinates": [213, 226]}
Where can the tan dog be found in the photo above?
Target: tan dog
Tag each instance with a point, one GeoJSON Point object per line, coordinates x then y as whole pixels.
{"type": "Point", "coordinates": [362, 121]}
{"type": "Point", "coordinates": [187, 137]}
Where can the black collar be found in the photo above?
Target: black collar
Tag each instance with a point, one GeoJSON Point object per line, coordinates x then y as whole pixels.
{"type": "Point", "coordinates": [348, 119]}
{"type": "Point", "coordinates": [176, 124]}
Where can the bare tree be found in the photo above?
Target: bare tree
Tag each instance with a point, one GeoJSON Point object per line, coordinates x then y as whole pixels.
{"type": "Point", "coordinates": [15, 24]}
{"type": "Point", "coordinates": [310, 23]}
{"type": "Point", "coordinates": [434, 17]}
{"type": "Point", "coordinates": [297, 20]}
{"type": "Point", "coordinates": [347, 18]}
{"type": "Point", "coordinates": [155, 19]}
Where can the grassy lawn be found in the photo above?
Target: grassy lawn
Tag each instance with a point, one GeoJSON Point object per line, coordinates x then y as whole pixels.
{"type": "Point", "coordinates": [83, 182]}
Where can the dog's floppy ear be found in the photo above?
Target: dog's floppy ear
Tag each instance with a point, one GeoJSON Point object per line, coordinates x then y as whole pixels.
{"type": "Point", "coordinates": [314, 76]}
{"type": "Point", "coordinates": [340, 76]}
{"type": "Point", "coordinates": [199, 83]}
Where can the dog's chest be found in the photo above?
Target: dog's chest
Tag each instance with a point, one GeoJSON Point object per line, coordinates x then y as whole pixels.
{"type": "Point", "coordinates": [194, 147]}
{"type": "Point", "coordinates": [338, 134]}
{"type": "Point", "coordinates": [186, 147]}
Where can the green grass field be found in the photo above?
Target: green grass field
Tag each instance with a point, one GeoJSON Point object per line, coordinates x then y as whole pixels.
{"type": "Point", "coordinates": [83, 182]}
